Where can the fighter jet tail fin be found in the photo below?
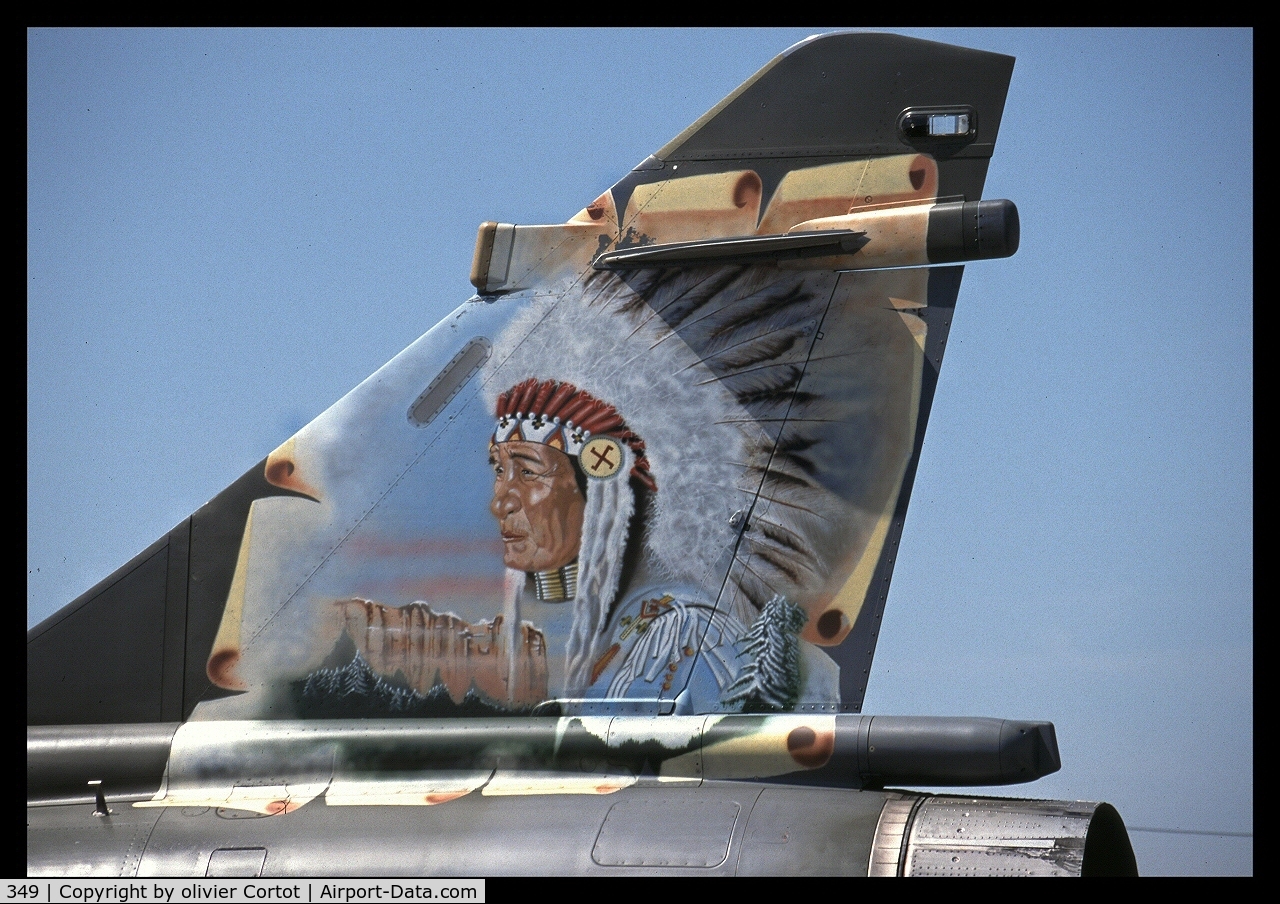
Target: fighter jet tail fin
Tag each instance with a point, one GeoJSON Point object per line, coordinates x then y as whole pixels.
{"type": "Point", "coordinates": [733, 352]}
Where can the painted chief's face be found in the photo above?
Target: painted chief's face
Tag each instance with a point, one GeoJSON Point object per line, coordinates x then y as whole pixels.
{"type": "Point", "coordinates": [538, 505]}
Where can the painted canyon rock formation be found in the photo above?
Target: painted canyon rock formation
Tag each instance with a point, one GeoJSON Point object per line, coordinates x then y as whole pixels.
{"type": "Point", "coordinates": [421, 648]}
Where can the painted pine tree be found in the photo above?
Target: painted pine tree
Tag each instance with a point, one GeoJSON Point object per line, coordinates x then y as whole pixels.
{"type": "Point", "coordinates": [355, 691]}
{"type": "Point", "coordinates": [770, 679]}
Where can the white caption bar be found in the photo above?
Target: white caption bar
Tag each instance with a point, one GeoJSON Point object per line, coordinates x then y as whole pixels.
{"type": "Point", "coordinates": [188, 891]}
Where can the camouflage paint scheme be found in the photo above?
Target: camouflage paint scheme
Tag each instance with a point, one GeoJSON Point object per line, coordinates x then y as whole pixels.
{"type": "Point", "coordinates": [276, 767]}
{"type": "Point", "coordinates": [744, 315]}
{"type": "Point", "coordinates": [382, 592]}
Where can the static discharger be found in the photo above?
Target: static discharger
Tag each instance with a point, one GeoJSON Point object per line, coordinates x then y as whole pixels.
{"type": "Point", "coordinates": [99, 798]}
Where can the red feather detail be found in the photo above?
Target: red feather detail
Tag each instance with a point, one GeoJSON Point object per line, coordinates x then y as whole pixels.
{"type": "Point", "coordinates": [522, 394]}
{"type": "Point", "coordinates": [576, 406]}
{"type": "Point", "coordinates": [504, 402]}
{"type": "Point", "coordinates": [558, 400]}
{"type": "Point", "coordinates": [644, 477]}
{"type": "Point", "coordinates": [539, 403]}
{"type": "Point", "coordinates": [600, 418]}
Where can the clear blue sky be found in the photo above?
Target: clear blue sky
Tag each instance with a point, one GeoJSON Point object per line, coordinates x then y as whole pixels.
{"type": "Point", "coordinates": [227, 230]}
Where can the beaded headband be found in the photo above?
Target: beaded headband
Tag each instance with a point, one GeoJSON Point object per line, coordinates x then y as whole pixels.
{"type": "Point", "coordinates": [564, 417]}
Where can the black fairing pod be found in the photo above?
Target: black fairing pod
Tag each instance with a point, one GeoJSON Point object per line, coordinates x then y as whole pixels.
{"type": "Point", "coordinates": [973, 230]}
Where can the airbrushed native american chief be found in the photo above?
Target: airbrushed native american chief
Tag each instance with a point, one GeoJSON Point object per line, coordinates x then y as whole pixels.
{"type": "Point", "coordinates": [683, 483]}
{"type": "Point", "coordinates": [618, 459]}
{"type": "Point", "coordinates": [568, 473]}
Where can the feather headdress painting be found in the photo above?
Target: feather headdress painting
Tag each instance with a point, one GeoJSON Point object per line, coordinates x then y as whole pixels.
{"type": "Point", "coordinates": [755, 463]}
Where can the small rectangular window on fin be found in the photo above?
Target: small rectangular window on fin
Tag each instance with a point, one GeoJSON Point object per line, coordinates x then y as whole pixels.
{"type": "Point", "coordinates": [449, 382]}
